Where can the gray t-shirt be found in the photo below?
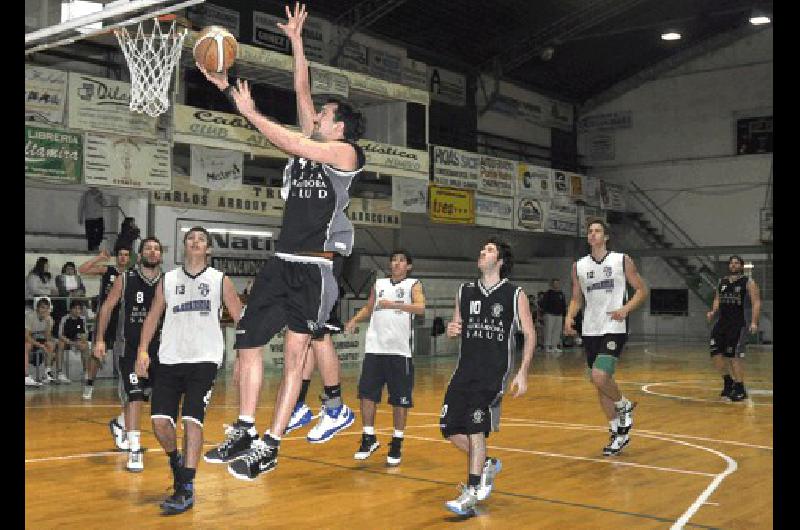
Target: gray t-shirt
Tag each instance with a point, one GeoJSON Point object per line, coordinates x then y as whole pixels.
{"type": "Point", "coordinates": [37, 326]}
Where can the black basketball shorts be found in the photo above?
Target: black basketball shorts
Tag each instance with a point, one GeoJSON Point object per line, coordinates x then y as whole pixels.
{"type": "Point", "coordinates": [136, 388]}
{"type": "Point", "coordinates": [192, 381]}
{"type": "Point", "coordinates": [729, 341]}
{"type": "Point", "coordinates": [470, 409]}
{"type": "Point", "coordinates": [395, 371]}
{"type": "Point", "coordinates": [608, 344]}
{"type": "Point", "coordinates": [293, 291]}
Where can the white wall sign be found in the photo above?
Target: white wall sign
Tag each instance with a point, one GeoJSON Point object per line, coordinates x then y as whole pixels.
{"type": "Point", "coordinates": [45, 94]}
{"type": "Point", "coordinates": [455, 168]}
{"type": "Point", "coordinates": [395, 160]}
{"type": "Point", "coordinates": [385, 64]}
{"type": "Point", "coordinates": [328, 82]}
{"type": "Point", "coordinates": [409, 195]}
{"type": "Point", "coordinates": [447, 86]}
{"type": "Point", "coordinates": [530, 214]}
{"type": "Point", "coordinates": [316, 36]}
{"type": "Point", "coordinates": [494, 211]}
{"type": "Point", "coordinates": [216, 169]}
{"type": "Point", "coordinates": [230, 240]}
{"type": "Point", "coordinates": [560, 184]}
{"type": "Point", "coordinates": [601, 146]}
{"type": "Point", "coordinates": [127, 162]}
{"type": "Point", "coordinates": [562, 218]}
{"type": "Point", "coordinates": [620, 119]}
{"type": "Point", "coordinates": [591, 187]}
{"type": "Point", "coordinates": [497, 176]}
{"type": "Point", "coordinates": [354, 56]}
{"type": "Point", "coordinates": [99, 104]}
{"type": "Point", "coordinates": [612, 196]}
{"type": "Point", "coordinates": [534, 181]}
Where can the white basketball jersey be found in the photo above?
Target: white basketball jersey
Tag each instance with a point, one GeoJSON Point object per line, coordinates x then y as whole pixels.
{"type": "Point", "coordinates": [191, 332]}
{"type": "Point", "coordinates": [390, 331]}
{"type": "Point", "coordinates": [603, 286]}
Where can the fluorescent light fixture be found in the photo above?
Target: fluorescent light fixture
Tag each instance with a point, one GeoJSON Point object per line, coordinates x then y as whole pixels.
{"type": "Point", "coordinates": [758, 20]}
{"type": "Point", "coordinates": [234, 232]}
{"type": "Point", "coordinates": [81, 8]}
{"type": "Point", "coordinates": [672, 35]}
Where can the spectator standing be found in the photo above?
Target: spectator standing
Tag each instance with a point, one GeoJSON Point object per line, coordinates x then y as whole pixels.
{"type": "Point", "coordinates": [90, 215]}
{"type": "Point", "coordinates": [554, 307]}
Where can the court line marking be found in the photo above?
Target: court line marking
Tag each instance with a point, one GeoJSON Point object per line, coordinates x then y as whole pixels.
{"type": "Point", "coordinates": [702, 499]}
{"type": "Point", "coordinates": [646, 389]}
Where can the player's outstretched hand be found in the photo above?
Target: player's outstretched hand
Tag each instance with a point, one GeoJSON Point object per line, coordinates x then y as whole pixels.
{"type": "Point", "coordinates": [349, 327]}
{"type": "Point", "coordinates": [294, 23]}
{"type": "Point", "coordinates": [453, 329]}
{"type": "Point", "coordinates": [242, 98]}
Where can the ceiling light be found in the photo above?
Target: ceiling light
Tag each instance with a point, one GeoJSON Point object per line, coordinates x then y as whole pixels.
{"type": "Point", "coordinates": [757, 20]}
{"type": "Point", "coordinates": [672, 35]}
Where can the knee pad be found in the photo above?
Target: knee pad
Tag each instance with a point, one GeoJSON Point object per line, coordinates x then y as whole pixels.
{"type": "Point", "coordinates": [606, 363]}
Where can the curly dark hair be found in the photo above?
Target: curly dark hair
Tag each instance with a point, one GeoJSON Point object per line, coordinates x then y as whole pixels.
{"type": "Point", "coordinates": [352, 119]}
{"type": "Point", "coordinates": [504, 253]}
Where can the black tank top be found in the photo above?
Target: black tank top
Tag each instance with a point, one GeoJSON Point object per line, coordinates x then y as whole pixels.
{"type": "Point", "coordinates": [137, 296]}
{"type": "Point", "coordinates": [489, 321]}
{"type": "Point", "coordinates": [316, 196]}
{"type": "Point", "coordinates": [732, 301]}
{"type": "Point", "coordinates": [107, 281]}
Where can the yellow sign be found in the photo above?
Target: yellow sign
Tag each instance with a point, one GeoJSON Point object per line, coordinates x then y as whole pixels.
{"type": "Point", "coordinates": [451, 205]}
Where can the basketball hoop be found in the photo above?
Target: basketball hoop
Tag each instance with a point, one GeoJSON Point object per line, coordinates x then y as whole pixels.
{"type": "Point", "coordinates": [151, 59]}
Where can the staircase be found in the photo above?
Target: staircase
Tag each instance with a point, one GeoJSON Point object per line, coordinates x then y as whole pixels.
{"type": "Point", "coordinates": [698, 271]}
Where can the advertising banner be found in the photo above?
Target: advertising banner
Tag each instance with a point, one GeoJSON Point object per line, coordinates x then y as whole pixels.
{"type": "Point", "coordinates": [494, 211]}
{"type": "Point", "coordinates": [53, 154]}
{"type": "Point", "coordinates": [452, 206]}
{"type": "Point", "coordinates": [534, 181]}
{"type": "Point", "coordinates": [102, 105]}
{"type": "Point", "coordinates": [530, 214]}
{"type": "Point", "coordinates": [497, 176]}
{"type": "Point", "coordinates": [216, 169]}
{"type": "Point", "coordinates": [562, 218]}
{"type": "Point", "coordinates": [456, 168]}
{"type": "Point", "coordinates": [45, 94]}
{"type": "Point", "coordinates": [447, 86]}
{"type": "Point", "coordinates": [395, 160]}
{"type": "Point", "coordinates": [127, 162]}
{"type": "Point", "coordinates": [409, 195]}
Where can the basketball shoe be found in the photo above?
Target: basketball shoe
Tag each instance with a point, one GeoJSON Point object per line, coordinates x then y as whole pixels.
{"type": "Point", "coordinates": [135, 461]}
{"type": "Point", "coordinates": [395, 455]}
{"type": "Point", "coordinates": [369, 444]}
{"type": "Point", "coordinates": [625, 416]}
{"type": "Point", "coordinates": [466, 502]}
{"type": "Point", "coordinates": [260, 458]}
{"type": "Point", "coordinates": [118, 433]}
{"type": "Point", "coordinates": [616, 444]}
{"type": "Point", "coordinates": [237, 441]}
{"type": "Point", "coordinates": [331, 422]}
{"type": "Point", "coordinates": [491, 468]}
{"type": "Point", "coordinates": [180, 501]}
{"type": "Point", "coordinates": [301, 416]}
{"type": "Point", "coordinates": [738, 393]}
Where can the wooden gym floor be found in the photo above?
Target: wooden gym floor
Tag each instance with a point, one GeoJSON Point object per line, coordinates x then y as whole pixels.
{"type": "Point", "coordinates": [693, 460]}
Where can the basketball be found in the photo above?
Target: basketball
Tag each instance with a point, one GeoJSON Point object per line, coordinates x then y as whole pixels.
{"type": "Point", "coordinates": [215, 49]}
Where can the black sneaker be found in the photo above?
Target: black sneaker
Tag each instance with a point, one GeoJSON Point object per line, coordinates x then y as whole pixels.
{"type": "Point", "coordinates": [369, 444]}
{"type": "Point", "coordinates": [237, 441]}
{"type": "Point", "coordinates": [394, 456]}
{"type": "Point", "coordinates": [727, 388]}
{"type": "Point", "coordinates": [260, 458]}
{"type": "Point", "coordinates": [738, 393]}
{"type": "Point", "coordinates": [180, 501]}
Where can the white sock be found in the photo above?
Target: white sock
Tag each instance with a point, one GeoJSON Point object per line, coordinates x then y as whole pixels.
{"type": "Point", "coordinates": [247, 419]}
{"type": "Point", "coordinates": [614, 424]}
{"type": "Point", "coordinates": [397, 434]}
{"type": "Point", "coordinates": [369, 430]}
{"type": "Point", "coordinates": [133, 440]}
{"type": "Point", "coordinates": [121, 420]}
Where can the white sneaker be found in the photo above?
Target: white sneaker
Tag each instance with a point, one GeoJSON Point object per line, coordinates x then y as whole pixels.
{"type": "Point", "coordinates": [62, 378]}
{"type": "Point", "coordinates": [135, 461]}
{"type": "Point", "coordinates": [490, 470]}
{"type": "Point", "coordinates": [119, 435]}
{"type": "Point", "coordinates": [616, 444]}
{"type": "Point", "coordinates": [87, 392]}
{"type": "Point", "coordinates": [465, 503]}
{"type": "Point", "coordinates": [30, 381]}
{"type": "Point", "coordinates": [48, 378]}
{"type": "Point", "coordinates": [331, 422]}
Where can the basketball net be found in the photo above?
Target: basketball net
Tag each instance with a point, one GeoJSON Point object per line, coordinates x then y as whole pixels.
{"type": "Point", "coordinates": [151, 59]}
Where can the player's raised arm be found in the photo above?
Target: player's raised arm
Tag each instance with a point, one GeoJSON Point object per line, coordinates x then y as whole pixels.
{"type": "Point", "coordinates": [302, 85]}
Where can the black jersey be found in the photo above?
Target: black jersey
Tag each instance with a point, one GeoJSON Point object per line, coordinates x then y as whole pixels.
{"type": "Point", "coordinates": [489, 321]}
{"type": "Point", "coordinates": [137, 296]}
{"type": "Point", "coordinates": [732, 301]}
{"type": "Point", "coordinates": [107, 281]}
{"type": "Point", "coordinates": [316, 196]}
{"type": "Point", "coordinates": [71, 327]}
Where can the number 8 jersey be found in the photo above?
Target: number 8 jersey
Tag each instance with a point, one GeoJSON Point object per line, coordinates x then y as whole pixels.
{"type": "Point", "coordinates": [137, 296]}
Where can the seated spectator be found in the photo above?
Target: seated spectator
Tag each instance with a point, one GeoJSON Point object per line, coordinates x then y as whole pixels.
{"type": "Point", "coordinates": [39, 344]}
{"type": "Point", "coordinates": [69, 282]}
{"type": "Point", "coordinates": [39, 282]}
{"type": "Point", "coordinates": [72, 333]}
